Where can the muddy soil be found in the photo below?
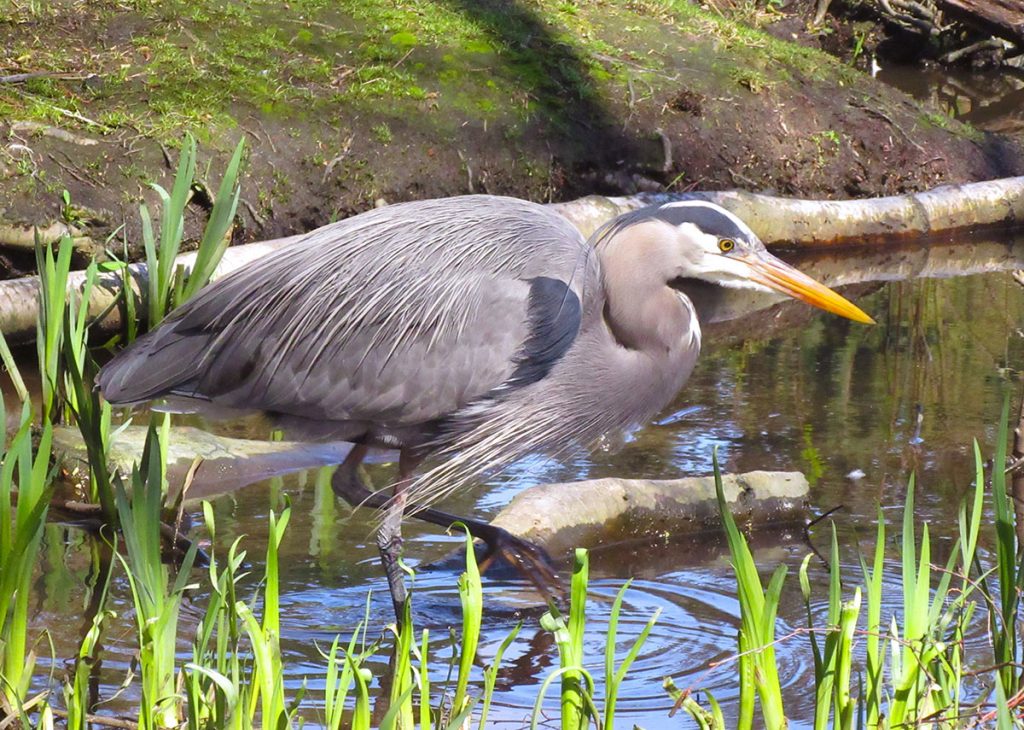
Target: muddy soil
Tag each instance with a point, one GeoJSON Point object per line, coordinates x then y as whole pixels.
{"type": "Point", "coordinates": [668, 102]}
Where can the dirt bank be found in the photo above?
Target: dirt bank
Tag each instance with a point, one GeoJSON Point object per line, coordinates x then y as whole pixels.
{"type": "Point", "coordinates": [348, 104]}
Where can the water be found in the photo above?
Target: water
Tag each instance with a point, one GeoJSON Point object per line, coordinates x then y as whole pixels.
{"type": "Point", "coordinates": [784, 388]}
{"type": "Point", "coordinates": [992, 100]}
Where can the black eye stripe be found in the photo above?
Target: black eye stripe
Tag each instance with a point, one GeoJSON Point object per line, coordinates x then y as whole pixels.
{"type": "Point", "coordinates": [707, 219]}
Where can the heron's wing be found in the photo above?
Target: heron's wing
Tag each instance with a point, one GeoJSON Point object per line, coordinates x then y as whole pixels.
{"type": "Point", "coordinates": [397, 316]}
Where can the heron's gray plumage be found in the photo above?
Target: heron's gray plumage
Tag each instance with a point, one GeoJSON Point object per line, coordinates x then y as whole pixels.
{"type": "Point", "coordinates": [435, 324]}
{"type": "Point", "coordinates": [475, 329]}
{"type": "Point", "coordinates": [478, 328]}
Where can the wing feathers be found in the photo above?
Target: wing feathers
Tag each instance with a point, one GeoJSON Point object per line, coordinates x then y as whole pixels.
{"type": "Point", "coordinates": [402, 314]}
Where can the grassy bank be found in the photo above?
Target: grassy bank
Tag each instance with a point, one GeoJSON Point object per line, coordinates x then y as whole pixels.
{"type": "Point", "coordinates": [342, 104]}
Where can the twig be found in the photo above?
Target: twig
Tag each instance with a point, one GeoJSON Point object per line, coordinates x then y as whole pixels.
{"type": "Point", "coordinates": [400, 61]}
{"type": "Point", "coordinates": [341, 156]}
{"type": "Point", "coordinates": [666, 149]}
{"type": "Point", "coordinates": [74, 115]}
{"type": "Point", "coordinates": [882, 115]}
{"type": "Point", "coordinates": [167, 155]}
{"type": "Point", "coordinates": [259, 220]}
{"type": "Point", "coordinates": [23, 77]}
{"type": "Point", "coordinates": [469, 171]}
{"type": "Point", "coordinates": [71, 162]}
{"type": "Point", "coordinates": [270, 140]}
{"type": "Point", "coordinates": [982, 45]}
{"type": "Point", "coordinates": [11, 716]}
{"type": "Point", "coordinates": [70, 171]}
{"type": "Point", "coordinates": [101, 720]}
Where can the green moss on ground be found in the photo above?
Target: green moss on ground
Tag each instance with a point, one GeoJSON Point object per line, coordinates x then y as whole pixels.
{"type": "Point", "coordinates": [344, 102]}
{"type": "Point", "coordinates": [161, 68]}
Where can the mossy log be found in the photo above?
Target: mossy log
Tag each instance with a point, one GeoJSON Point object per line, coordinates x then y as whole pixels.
{"type": "Point", "coordinates": [780, 222]}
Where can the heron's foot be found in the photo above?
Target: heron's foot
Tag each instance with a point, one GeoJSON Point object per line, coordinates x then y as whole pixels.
{"type": "Point", "coordinates": [530, 560]}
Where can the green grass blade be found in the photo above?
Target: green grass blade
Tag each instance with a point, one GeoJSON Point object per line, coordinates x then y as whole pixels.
{"type": "Point", "coordinates": [215, 237]}
{"type": "Point", "coordinates": [471, 597]}
{"type": "Point", "coordinates": [7, 358]}
{"type": "Point", "coordinates": [491, 675]}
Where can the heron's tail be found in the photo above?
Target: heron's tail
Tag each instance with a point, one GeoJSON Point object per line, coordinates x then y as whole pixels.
{"type": "Point", "coordinates": [160, 363]}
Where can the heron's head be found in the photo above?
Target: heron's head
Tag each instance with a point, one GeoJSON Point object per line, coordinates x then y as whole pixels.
{"type": "Point", "coordinates": [695, 239]}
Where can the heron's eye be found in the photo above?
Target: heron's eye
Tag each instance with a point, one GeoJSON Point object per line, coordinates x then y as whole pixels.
{"type": "Point", "coordinates": [726, 245]}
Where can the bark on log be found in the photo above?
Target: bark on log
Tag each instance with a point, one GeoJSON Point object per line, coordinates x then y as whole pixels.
{"type": "Point", "coordinates": [17, 235]}
{"type": "Point", "coordinates": [780, 222]}
{"type": "Point", "coordinates": [19, 297]}
{"type": "Point", "coordinates": [1002, 18]}
{"type": "Point", "coordinates": [560, 517]}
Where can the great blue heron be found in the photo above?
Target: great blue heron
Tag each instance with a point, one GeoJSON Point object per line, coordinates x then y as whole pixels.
{"type": "Point", "coordinates": [476, 328]}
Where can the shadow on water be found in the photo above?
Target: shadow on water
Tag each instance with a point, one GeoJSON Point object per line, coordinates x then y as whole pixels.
{"type": "Point", "coordinates": [781, 386]}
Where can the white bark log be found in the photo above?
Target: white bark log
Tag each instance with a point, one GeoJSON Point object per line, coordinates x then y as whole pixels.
{"type": "Point", "coordinates": [782, 222]}
{"type": "Point", "coordinates": [597, 512]}
{"type": "Point", "coordinates": [944, 210]}
{"type": "Point", "coordinates": [19, 297]}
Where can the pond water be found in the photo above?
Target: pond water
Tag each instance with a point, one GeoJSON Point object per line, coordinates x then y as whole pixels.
{"type": "Point", "coordinates": [991, 100]}
{"type": "Point", "coordinates": [856, 408]}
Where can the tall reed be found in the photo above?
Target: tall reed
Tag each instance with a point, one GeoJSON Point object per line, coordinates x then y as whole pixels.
{"type": "Point", "coordinates": [168, 284]}
{"type": "Point", "coordinates": [157, 596]}
{"type": "Point", "coordinates": [28, 479]}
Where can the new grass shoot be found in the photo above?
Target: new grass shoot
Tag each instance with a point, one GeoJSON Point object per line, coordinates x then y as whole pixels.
{"type": "Point", "coordinates": [909, 667]}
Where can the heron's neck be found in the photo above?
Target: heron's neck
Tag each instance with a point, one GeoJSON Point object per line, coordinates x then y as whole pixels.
{"type": "Point", "coordinates": [644, 313]}
{"type": "Point", "coordinates": [648, 339]}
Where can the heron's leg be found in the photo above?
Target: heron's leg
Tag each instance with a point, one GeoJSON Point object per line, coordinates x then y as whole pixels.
{"type": "Point", "coordinates": [389, 535]}
{"type": "Point", "coordinates": [530, 560]}
{"type": "Point", "coordinates": [348, 485]}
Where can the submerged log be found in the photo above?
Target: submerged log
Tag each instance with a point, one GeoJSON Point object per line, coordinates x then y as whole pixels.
{"type": "Point", "coordinates": [560, 517]}
{"type": "Point", "coordinates": [780, 222]}
{"type": "Point", "coordinates": [222, 464]}
{"type": "Point", "coordinates": [557, 516]}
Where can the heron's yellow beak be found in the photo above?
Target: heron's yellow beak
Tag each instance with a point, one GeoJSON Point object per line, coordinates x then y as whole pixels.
{"type": "Point", "coordinates": [776, 274]}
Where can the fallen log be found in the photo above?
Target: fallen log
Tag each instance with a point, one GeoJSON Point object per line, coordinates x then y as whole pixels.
{"type": "Point", "coordinates": [560, 517]}
{"type": "Point", "coordinates": [16, 235]}
{"type": "Point", "coordinates": [211, 464]}
{"type": "Point", "coordinates": [557, 516]}
{"type": "Point", "coordinates": [793, 222]}
{"type": "Point", "coordinates": [19, 297]}
{"type": "Point", "coordinates": [780, 222]}
{"type": "Point", "coordinates": [1002, 18]}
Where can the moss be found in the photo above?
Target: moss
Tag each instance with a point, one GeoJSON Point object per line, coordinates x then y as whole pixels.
{"type": "Point", "coordinates": [208, 66]}
{"type": "Point", "coordinates": [960, 129]}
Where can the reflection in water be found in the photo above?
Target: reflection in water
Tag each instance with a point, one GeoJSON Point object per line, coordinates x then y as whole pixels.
{"type": "Point", "coordinates": [785, 388]}
{"type": "Point", "coordinates": [991, 100]}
